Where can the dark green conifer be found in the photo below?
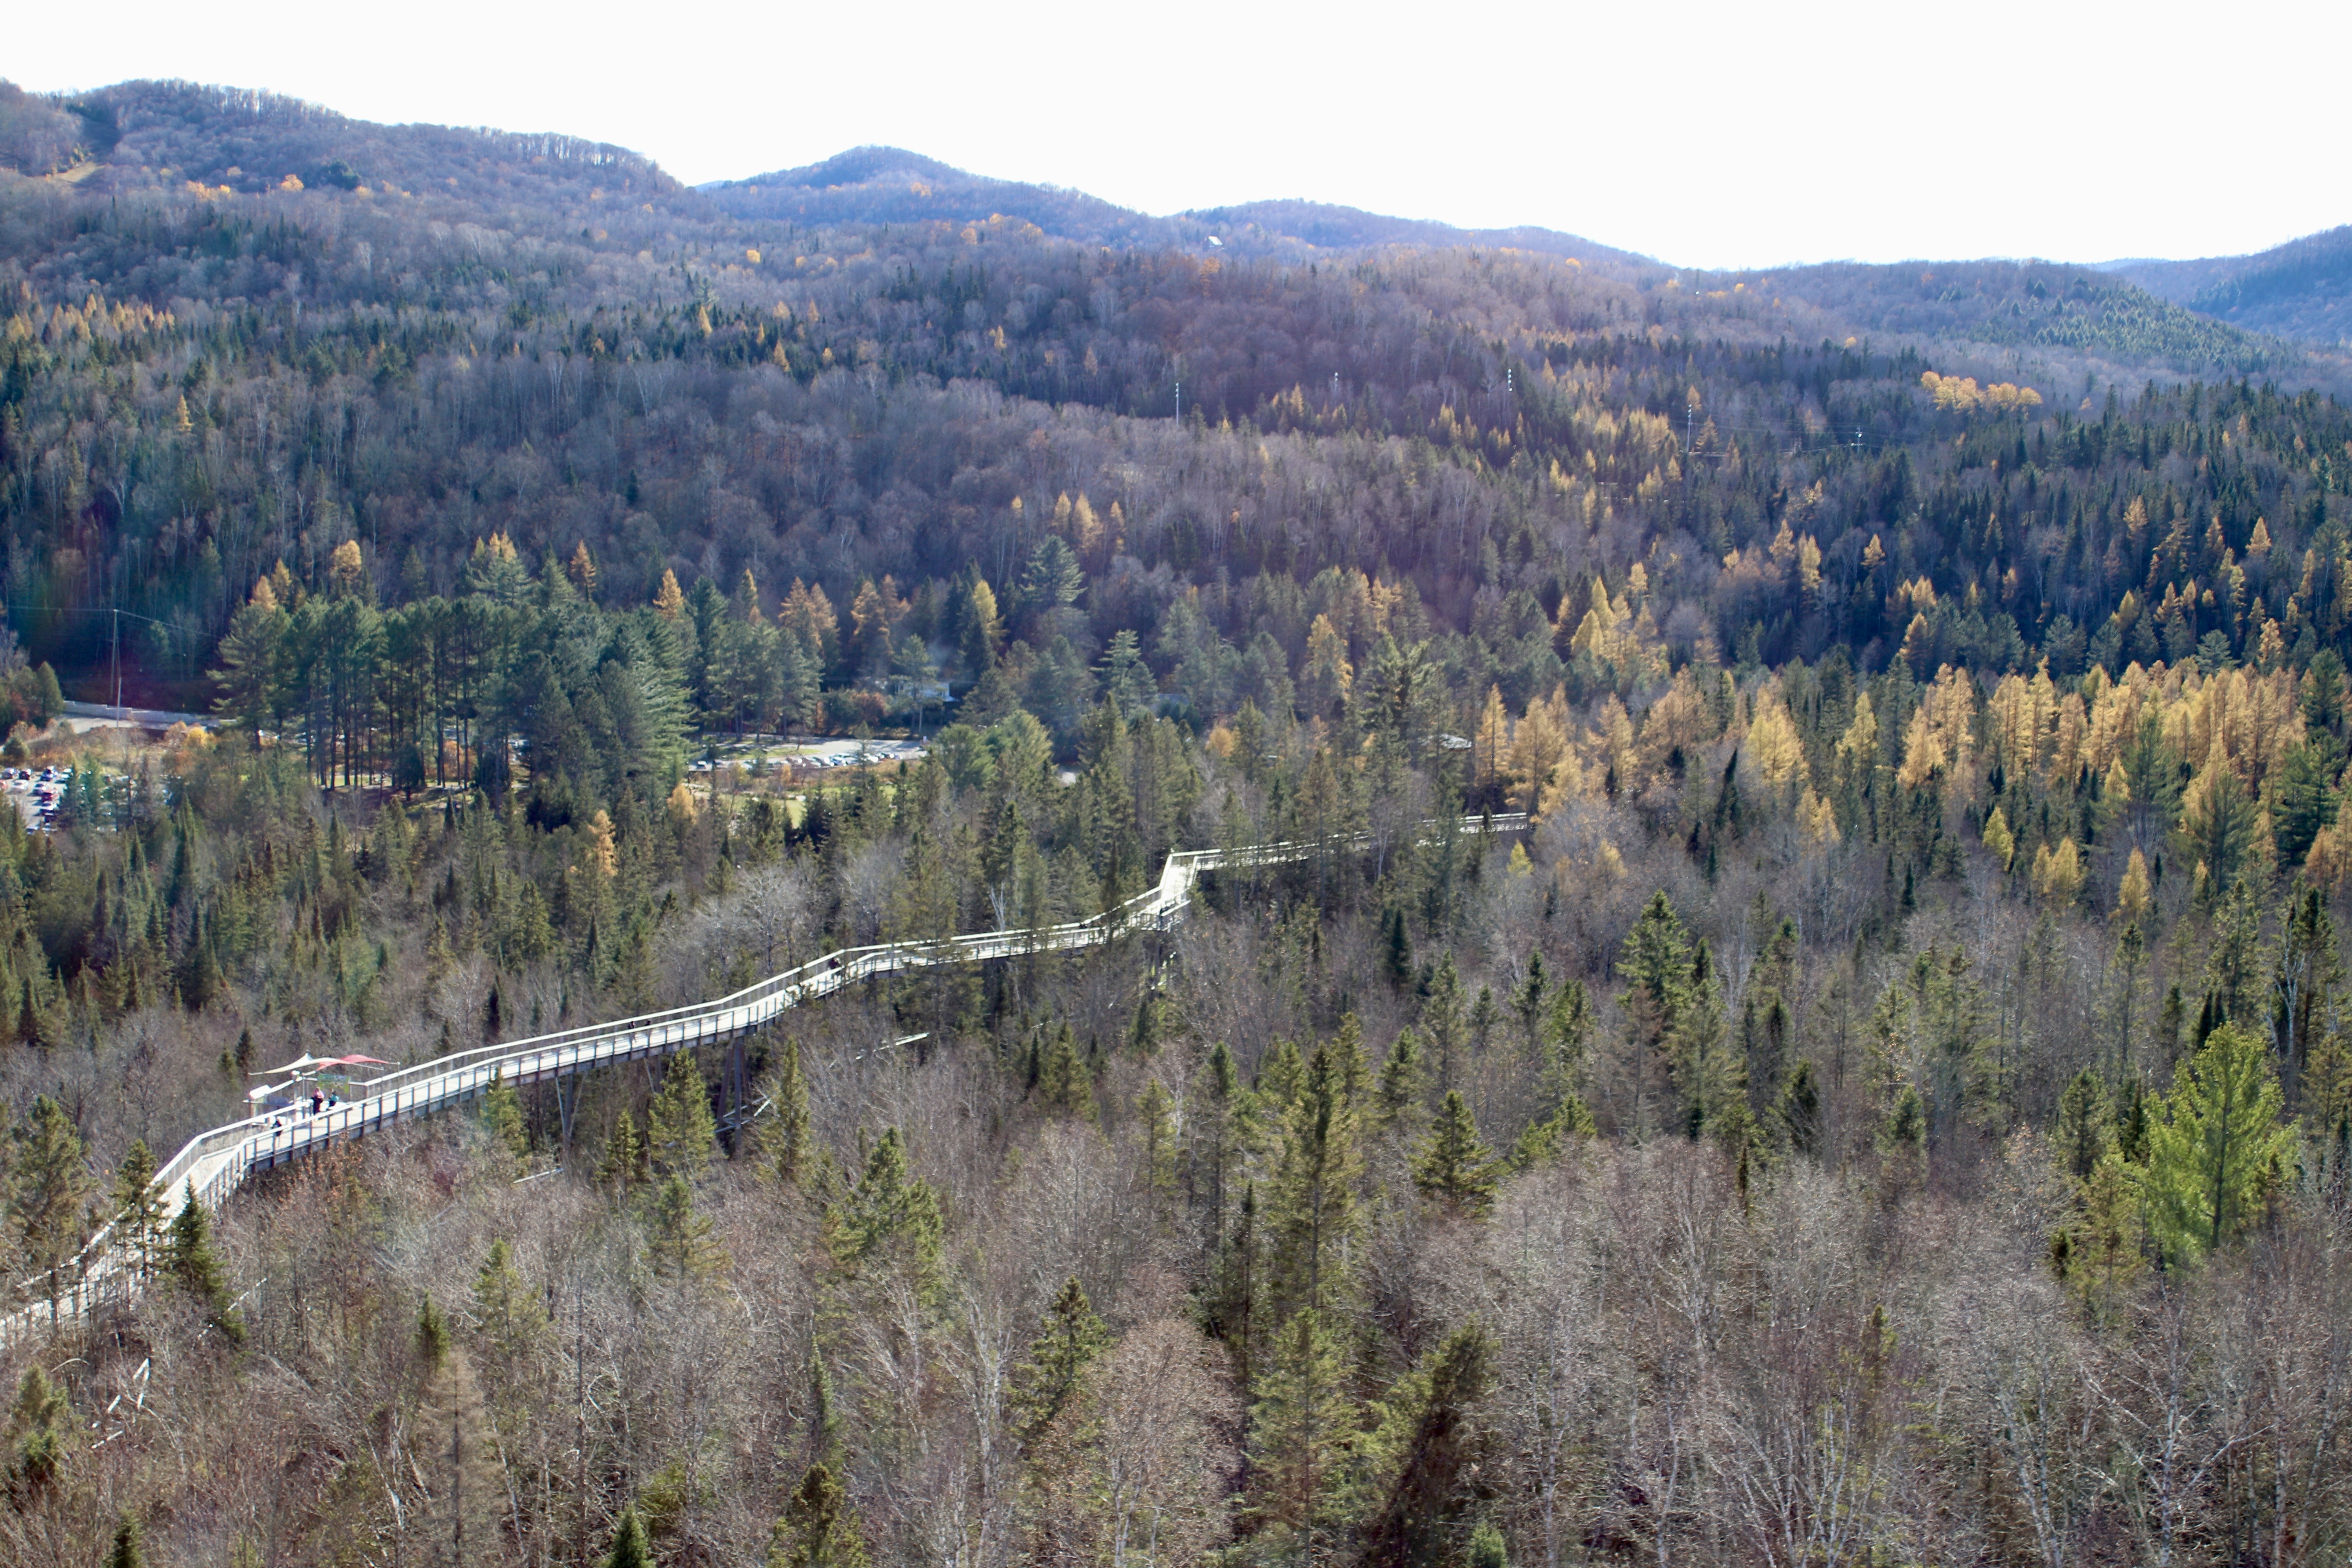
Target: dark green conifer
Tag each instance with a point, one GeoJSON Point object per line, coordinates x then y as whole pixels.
{"type": "Point", "coordinates": [192, 1263]}
{"type": "Point", "coordinates": [630, 1547]}
{"type": "Point", "coordinates": [680, 1129]}
{"type": "Point", "coordinates": [2083, 1125]}
{"type": "Point", "coordinates": [820, 1528]}
{"type": "Point", "coordinates": [127, 1551]}
{"type": "Point", "coordinates": [1432, 1428]}
{"type": "Point", "coordinates": [1453, 1166]}
{"type": "Point", "coordinates": [1065, 1082]}
{"type": "Point", "coordinates": [1069, 1341]}
{"type": "Point", "coordinates": [784, 1131]}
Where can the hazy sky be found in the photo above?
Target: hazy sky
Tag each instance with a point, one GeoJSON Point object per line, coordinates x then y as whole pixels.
{"type": "Point", "coordinates": [1705, 134]}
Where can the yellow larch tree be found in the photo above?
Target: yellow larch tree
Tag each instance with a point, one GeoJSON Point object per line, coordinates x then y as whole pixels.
{"type": "Point", "coordinates": [1537, 746]}
{"type": "Point", "coordinates": [1490, 744]}
{"type": "Point", "coordinates": [1857, 749]}
{"type": "Point", "coordinates": [1772, 746]}
{"type": "Point", "coordinates": [1327, 679]}
{"type": "Point", "coordinates": [670, 601]}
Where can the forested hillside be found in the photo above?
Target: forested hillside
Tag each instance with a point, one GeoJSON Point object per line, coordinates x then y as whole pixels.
{"type": "Point", "coordinates": [2299, 290]}
{"type": "Point", "coordinates": [1893, 1103]}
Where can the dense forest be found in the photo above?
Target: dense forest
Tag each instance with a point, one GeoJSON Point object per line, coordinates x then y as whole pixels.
{"type": "Point", "coordinates": [1892, 1103]}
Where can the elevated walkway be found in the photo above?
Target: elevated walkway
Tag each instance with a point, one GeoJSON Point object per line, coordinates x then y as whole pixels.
{"type": "Point", "coordinates": [215, 1164]}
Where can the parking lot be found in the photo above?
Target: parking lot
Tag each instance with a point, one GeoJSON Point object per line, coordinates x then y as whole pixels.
{"type": "Point", "coordinates": [36, 794]}
{"type": "Point", "coordinates": [824, 755]}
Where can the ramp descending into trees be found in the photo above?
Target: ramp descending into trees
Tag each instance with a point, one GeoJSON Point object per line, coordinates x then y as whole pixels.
{"type": "Point", "coordinates": [215, 1164]}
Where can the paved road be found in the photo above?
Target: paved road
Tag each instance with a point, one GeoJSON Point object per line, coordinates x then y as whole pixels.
{"type": "Point", "coordinates": [145, 718]}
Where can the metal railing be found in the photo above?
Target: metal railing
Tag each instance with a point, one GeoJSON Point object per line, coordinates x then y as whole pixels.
{"type": "Point", "coordinates": [213, 1163]}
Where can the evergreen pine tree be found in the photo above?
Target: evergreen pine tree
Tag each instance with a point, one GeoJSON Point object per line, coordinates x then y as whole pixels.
{"type": "Point", "coordinates": [623, 1164]}
{"type": "Point", "coordinates": [1483, 1018]}
{"type": "Point", "coordinates": [2213, 1160]}
{"type": "Point", "coordinates": [682, 1238]}
{"type": "Point", "coordinates": [1453, 1166]}
{"type": "Point", "coordinates": [1655, 964]}
{"type": "Point", "coordinates": [1540, 1143]}
{"type": "Point", "coordinates": [1313, 1214]}
{"type": "Point", "coordinates": [1233, 1287]}
{"type": "Point", "coordinates": [1430, 1427]}
{"type": "Point", "coordinates": [508, 1315]}
{"type": "Point", "coordinates": [432, 1337]}
{"type": "Point", "coordinates": [630, 1547]}
{"type": "Point", "coordinates": [1224, 1117]}
{"type": "Point", "coordinates": [1442, 1021]}
{"type": "Point", "coordinates": [680, 1129]}
{"type": "Point", "coordinates": [824, 1412]}
{"type": "Point", "coordinates": [1797, 1111]}
{"type": "Point", "coordinates": [1527, 1002]}
{"type": "Point", "coordinates": [1143, 1033]}
{"type": "Point", "coordinates": [2108, 1249]}
{"type": "Point", "coordinates": [2082, 1128]}
{"type": "Point", "coordinates": [52, 1190]}
{"type": "Point", "coordinates": [1709, 1074]}
{"type": "Point", "coordinates": [1306, 1457]}
{"type": "Point", "coordinates": [1397, 1099]}
{"type": "Point", "coordinates": [127, 1551]}
{"type": "Point", "coordinates": [891, 1219]}
{"type": "Point", "coordinates": [1058, 1357]}
{"type": "Point", "coordinates": [195, 1267]}
{"type": "Point", "coordinates": [783, 1135]}
{"type": "Point", "coordinates": [139, 1207]}
{"type": "Point", "coordinates": [1396, 949]}
{"type": "Point", "coordinates": [41, 1425]}
{"type": "Point", "coordinates": [1154, 1112]}
{"type": "Point", "coordinates": [1281, 1077]}
{"type": "Point", "coordinates": [1064, 1083]}
{"type": "Point", "coordinates": [2133, 1120]}
{"type": "Point", "coordinates": [820, 1528]}
{"type": "Point", "coordinates": [1902, 1140]}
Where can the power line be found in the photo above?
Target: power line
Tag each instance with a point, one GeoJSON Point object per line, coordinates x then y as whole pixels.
{"type": "Point", "coordinates": [94, 610]}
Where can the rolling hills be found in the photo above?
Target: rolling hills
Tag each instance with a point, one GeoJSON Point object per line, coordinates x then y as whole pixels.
{"type": "Point", "coordinates": [2233, 316]}
{"type": "Point", "coordinates": [2299, 290]}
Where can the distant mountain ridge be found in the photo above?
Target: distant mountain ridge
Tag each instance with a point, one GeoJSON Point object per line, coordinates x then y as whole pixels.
{"type": "Point", "coordinates": [2259, 315]}
{"type": "Point", "coordinates": [2299, 290]}
{"type": "Point", "coordinates": [891, 184]}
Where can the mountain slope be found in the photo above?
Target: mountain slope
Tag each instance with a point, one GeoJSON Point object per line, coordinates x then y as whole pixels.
{"type": "Point", "coordinates": [148, 134]}
{"type": "Point", "coordinates": [2299, 290]}
{"type": "Point", "coordinates": [1329, 227]}
{"type": "Point", "coordinates": [2030, 304]}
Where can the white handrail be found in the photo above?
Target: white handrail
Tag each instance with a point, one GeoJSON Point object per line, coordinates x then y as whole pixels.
{"type": "Point", "coordinates": [216, 1163]}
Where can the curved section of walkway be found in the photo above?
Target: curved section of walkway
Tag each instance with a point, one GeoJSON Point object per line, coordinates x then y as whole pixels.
{"type": "Point", "coordinates": [215, 1164]}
